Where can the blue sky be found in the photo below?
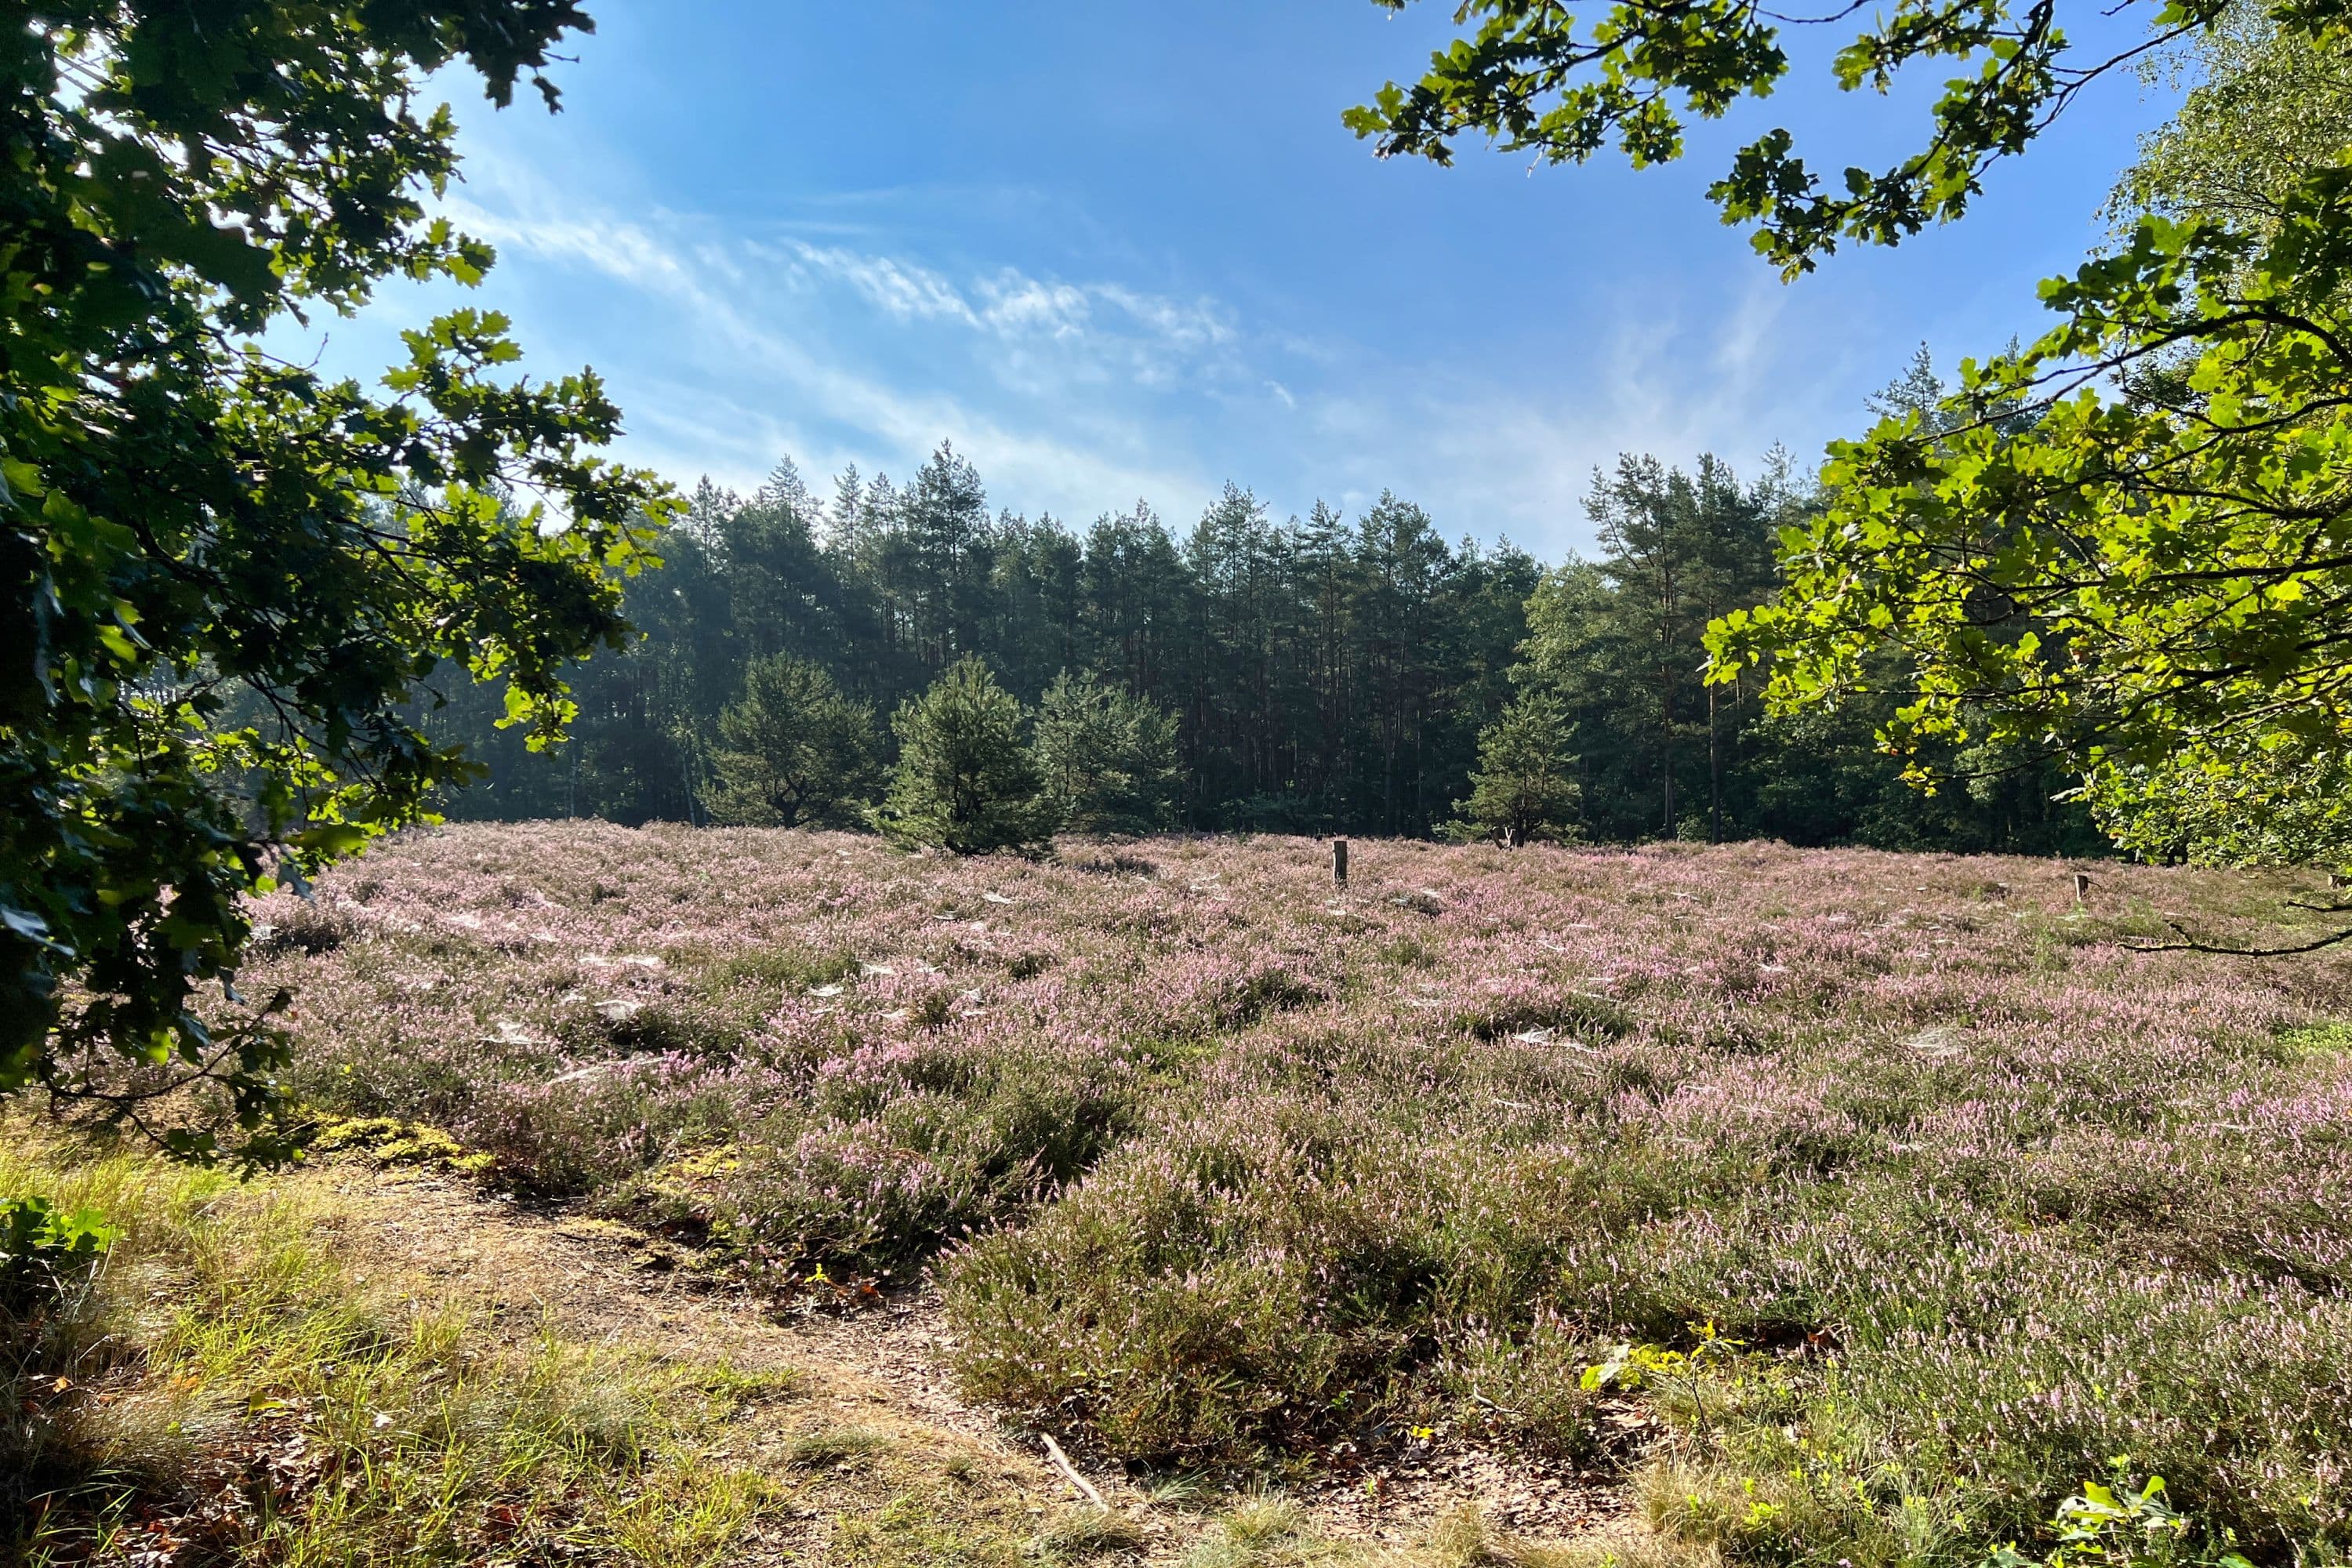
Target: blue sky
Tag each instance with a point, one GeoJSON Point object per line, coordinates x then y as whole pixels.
{"type": "Point", "coordinates": [1116, 251]}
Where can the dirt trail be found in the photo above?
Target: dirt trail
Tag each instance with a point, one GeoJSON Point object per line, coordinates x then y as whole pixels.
{"type": "Point", "coordinates": [604, 1283]}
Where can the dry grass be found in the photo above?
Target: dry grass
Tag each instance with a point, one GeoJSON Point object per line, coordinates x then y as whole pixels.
{"type": "Point", "coordinates": [343, 1367]}
{"type": "Point", "coordinates": [1081, 1534]}
{"type": "Point", "coordinates": [1272, 1532]}
{"type": "Point", "coordinates": [255, 1377]}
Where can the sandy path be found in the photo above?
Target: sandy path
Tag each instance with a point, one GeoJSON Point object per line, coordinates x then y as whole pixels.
{"type": "Point", "coordinates": [604, 1283]}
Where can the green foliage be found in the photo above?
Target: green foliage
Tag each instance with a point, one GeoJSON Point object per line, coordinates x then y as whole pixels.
{"type": "Point", "coordinates": [2267, 799]}
{"type": "Point", "coordinates": [42, 1246]}
{"type": "Point", "coordinates": [1326, 674]}
{"type": "Point", "coordinates": [794, 751]}
{"type": "Point", "coordinates": [2118, 1526]}
{"type": "Point", "coordinates": [966, 780]}
{"type": "Point", "coordinates": [1108, 756]}
{"type": "Point", "coordinates": [222, 576]}
{"type": "Point", "coordinates": [992, 1138]}
{"type": "Point", "coordinates": [1827, 778]}
{"type": "Point", "coordinates": [1234, 1291]}
{"type": "Point", "coordinates": [2272, 104]}
{"type": "Point", "coordinates": [1619, 640]}
{"type": "Point", "coordinates": [2081, 582]}
{"type": "Point", "coordinates": [2151, 582]}
{"type": "Point", "coordinates": [1525, 77]}
{"type": "Point", "coordinates": [2125, 545]}
{"type": "Point", "coordinates": [1322, 675]}
{"type": "Point", "coordinates": [1523, 789]}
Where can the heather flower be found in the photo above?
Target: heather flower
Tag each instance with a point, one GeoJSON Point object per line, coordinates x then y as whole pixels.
{"type": "Point", "coordinates": [1213, 1160]}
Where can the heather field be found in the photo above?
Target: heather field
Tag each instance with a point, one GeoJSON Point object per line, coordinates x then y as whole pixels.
{"type": "Point", "coordinates": [1832, 1206]}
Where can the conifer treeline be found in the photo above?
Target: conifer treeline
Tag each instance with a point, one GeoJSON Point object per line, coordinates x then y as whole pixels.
{"type": "Point", "coordinates": [1327, 673]}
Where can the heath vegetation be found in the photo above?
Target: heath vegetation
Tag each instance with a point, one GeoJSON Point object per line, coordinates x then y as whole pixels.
{"type": "Point", "coordinates": [1848, 1205]}
{"type": "Point", "coordinates": [1836, 1207]}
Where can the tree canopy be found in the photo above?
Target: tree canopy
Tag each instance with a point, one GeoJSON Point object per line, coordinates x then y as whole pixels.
{"type": "Point", "coordinates": [1324, 673]}
{"type": "Point", "coordinates": [224, 576]}
{"type": "Point", "coordinates": [1525, 786]}
{"type": "Point", "coordinates": [794, 751]}
{"type": "Point", "coordinates": [1108, 756]}
{"type": "Point", "coordinates": [1526, 75]}
{"type": "Point", "coordinates": [2268, 105]}
{"type": "Point", "coordinates": [966, 779]}
{"type": "Point", "coordinates": [2132, 539]}
{"type": "Point", "coordinates": [2159, 581]}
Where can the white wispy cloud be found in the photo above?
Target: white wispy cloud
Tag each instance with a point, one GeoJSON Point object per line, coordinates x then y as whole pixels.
{"type": "Point", "coordinates": [1124, 324]}
{"type": "Point", "coordinates": [1016, 305]}
{"type": "Point", "coordinates": [1079, 395]}
{"type": "Point", "coordinates": [901, 289]}
{"type": "Point", "coordinates": [737, 355]}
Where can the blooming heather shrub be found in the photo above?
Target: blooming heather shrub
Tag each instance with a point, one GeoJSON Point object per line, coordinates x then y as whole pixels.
{"type": "Point", "coordinates": [908, 1148]}
{"type": "Point", "coordinates": [576, 1136]}
{"type": "Point", "coordinates": [1545, 1009]}
{"type": "Point", "coordinates": [1256, 1164]}
{"type": "Point", "coordinates": [1239, 1001]}
{"type": "Point", "coordinates": [631, 1028]}
{"type": "Point", "coordinates": [310, 926]}
{"type": "Point", "coordinates": [1269, 1270]}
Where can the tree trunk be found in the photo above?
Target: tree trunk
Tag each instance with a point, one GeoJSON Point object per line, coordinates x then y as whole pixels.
{"type": "Point", "coordinates": [1714, 775]}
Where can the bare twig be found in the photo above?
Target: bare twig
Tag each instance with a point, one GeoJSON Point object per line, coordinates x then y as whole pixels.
{"type": "Point", "coordinates": [1070, 1471]}
{"type": "Point", "coordinates": [2191, 944]}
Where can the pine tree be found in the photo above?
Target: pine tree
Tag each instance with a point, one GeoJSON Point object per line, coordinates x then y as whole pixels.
{"type": "Point", "coordinates": [965, 781]}
{"type": "Point", "coordinates": [1524, 787]}
{"type": "Point", "coordinates": [794, 751]}
{"type": "Point", "coordinates": [1326, 674]}
{"type": "Point", "coordinates": [1403, 570]}
{"type": "Point", "coordinates": [1108, 756]}
{"type": "Point", "coordinates": [943, 555]}
{"type": "Point", "coordinates": [1326, 570]}
{"type": "Point", "coordinates": [782, 592]}
{"type": "Point", "coordinates": [1240, 749]}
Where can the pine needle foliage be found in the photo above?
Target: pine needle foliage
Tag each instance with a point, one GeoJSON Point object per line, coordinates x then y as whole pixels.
{"type": "Point", "coordinates": [794, 751]}
{"type": "Point", "coordinates": [1108, 756]}
{"type": "Point", "coordinates": [966, 778]}
{"type": "Point", "coordinates": [1524, 787]}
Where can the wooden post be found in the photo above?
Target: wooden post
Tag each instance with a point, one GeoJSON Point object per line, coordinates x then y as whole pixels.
{"type": "Point", "coordinates": [2082, 885]}
{"type": "Point", "coordinates": [1339, 862]}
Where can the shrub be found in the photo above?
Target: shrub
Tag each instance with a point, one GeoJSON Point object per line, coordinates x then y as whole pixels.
{"type": "Point", "coordinates": [965, 780]}
{"type": "Point", "coordinates": [309, 926]}
{"type": "Point", "coordinates": [1983, 1209]}
{"type": "Point", "coordinates": [44, 1250]}
{"type": "Point", "coordinates": [1518, 1012]}
{"type": "Point", "coordinates": [1258, 1277]}
{"type": "Point", "coordinates": [627, 1028]}
{"type": "Point", "coordinates": [1524, 787]}
{"type": "Point", "coordinates": [1108, 756]}
{"type": "Point", "coordinates": [794, 751]}
{"type": "Point", "coordinates": [1535, 1388]}
{"type": "Point", "coordinates": [1257, 994]}
{"type": "Point", "coordinates": [2123, 1527]}
{"type": "Point", "coordinates": [900, 1152]}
